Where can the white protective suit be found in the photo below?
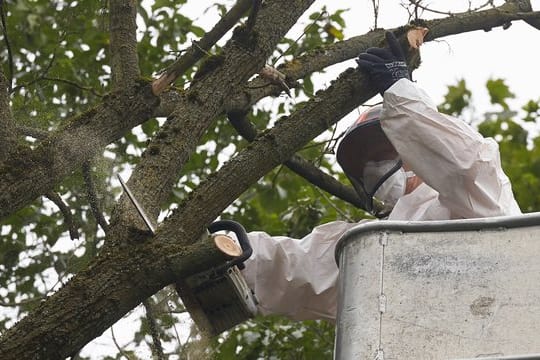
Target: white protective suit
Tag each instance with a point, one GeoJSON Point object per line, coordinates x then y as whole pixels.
{"type": "Point", "coordinates": [462, 178]}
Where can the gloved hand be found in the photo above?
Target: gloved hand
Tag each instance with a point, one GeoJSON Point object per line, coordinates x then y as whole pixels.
{"type": "Point", "coordinates": [385, 66]}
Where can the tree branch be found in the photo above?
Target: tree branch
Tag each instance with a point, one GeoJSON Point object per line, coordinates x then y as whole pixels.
{"type": "Point", "coordinates": [118, 347]}
{"type": "Point", "coordinates": [123, 32]}
{"type": "Point", "coordinates": [92, 196]}
{"type": "Point", "coordinates": [44, 77]}
{"type": "Point", "coordinates": [256, 5]}
{"type": "Point", "coordinates": [66, 212]}
{"type": "Point", "coordinates": [114, 283]}
{"type": "Point", "coordinates": [199, 49]}
{"type": "Point", "coordinates": [301, 166]}
{"type": "Point", "coordinates": [157, 348]}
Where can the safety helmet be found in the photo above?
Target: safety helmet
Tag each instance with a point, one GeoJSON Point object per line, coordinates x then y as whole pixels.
{"type": "Point", "coordinates": [365, 143]}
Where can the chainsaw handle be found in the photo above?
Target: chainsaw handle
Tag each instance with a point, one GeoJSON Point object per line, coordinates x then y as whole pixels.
{"type": "Point", "coordinates": [241, 235]}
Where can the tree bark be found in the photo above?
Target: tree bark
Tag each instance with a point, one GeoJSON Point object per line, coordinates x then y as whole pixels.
{"type": "Point", "coordinates": [8, 134]}
{"type": "Point", "coordinates": [123, 47]}
{"type": "Point", "coordinates": [97, 297]}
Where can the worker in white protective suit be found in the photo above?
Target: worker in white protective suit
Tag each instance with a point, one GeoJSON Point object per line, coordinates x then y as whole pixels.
{"type": "Point", "coordinates": [406, 160]}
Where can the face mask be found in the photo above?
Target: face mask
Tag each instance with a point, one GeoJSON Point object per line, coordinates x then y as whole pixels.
{"type": "Point", "coordinates": [374, 171]}
{"type": "Point", "coordinates": [393, 188]}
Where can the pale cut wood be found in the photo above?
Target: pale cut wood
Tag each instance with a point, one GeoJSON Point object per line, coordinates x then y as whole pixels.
{"type": "Point", "coordinates": [227, 245]}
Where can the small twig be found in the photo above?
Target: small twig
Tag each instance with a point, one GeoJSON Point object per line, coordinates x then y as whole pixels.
{"type": "Point", "coordinates": [120, 349]}
{"type": "Point", "coordinates": [157, 348]}
{"type": "Point", "coordinates": [338, 210]}
{"type": "Point", "coordinates": [328, 147]}
{"type": "Point", "coordinates": [66, 212]}
{"type": "Point", "coordinates": [65, 81]}
{"type": "Point", "coordinates": [74, 84]}
{"type": "Point", "coordinates": [375, 13]}
{"type": "Point", "coordinates": [3, 7]}
{"type": "Point", "coordinates": [38, 78]}
{"type": "Point", "coordinates": [92, 196]}
{"type": "Point", "coordinates": [301, 36]}
{"type": "Point", "coordinates": [172, 311]}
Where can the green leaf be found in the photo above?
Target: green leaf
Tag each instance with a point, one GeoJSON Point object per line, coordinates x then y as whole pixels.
{"type": "Point", "coordinates": [499, 92]}
{"type": "Point", "coordinates": [456, 99]}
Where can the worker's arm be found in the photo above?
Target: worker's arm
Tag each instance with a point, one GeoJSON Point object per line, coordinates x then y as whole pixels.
{"type": "Point", "coordinates": [448, 154]}
{"type": "Point", "coordinates": [296, 277]}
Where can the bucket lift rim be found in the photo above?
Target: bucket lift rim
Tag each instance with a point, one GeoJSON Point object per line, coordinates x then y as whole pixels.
{"type": "Point", "coordinates": [478, 224]}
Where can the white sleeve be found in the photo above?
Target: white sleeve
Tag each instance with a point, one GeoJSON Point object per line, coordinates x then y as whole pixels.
{"type": "Point", "coordinates": [296, 277]}
{"type": "Point", "coordinates": [448, 154]}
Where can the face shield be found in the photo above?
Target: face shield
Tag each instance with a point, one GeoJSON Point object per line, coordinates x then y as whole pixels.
{"type": "Point", "coordinates": [372, 164]}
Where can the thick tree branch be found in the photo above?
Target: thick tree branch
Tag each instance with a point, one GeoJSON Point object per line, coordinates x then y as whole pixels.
{"type": "Point", "coordinates": [199, 49]}
{"type": "Point", "coordinates": [123, 47]}
{"type": "Point", "coordinates": [301, 166]}
{"type": "Point", "coordinates": [97, 297]}
{"type": "Point", "coordinates": [66, 212]}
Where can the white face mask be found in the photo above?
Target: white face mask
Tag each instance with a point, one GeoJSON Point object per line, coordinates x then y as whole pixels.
{"type": "Point", "coordinates": [393, 188]}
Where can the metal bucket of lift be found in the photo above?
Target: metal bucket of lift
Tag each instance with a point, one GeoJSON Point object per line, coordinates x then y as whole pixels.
{"type": "Point", "coordinates": [458, 289]}
{"type": "Point", "coordinates": [219, 298]}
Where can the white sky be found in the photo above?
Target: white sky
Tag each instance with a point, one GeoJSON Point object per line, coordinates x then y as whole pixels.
{"type": "Point", "coordinates": [511, 54]}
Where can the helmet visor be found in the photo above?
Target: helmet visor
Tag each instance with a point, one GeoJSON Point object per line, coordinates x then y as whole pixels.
{"type": "Point", "coordinates": [368, 158]}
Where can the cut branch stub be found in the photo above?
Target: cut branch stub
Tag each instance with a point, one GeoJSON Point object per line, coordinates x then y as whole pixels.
{"type": "Point", "coordinates": [227, 245]}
